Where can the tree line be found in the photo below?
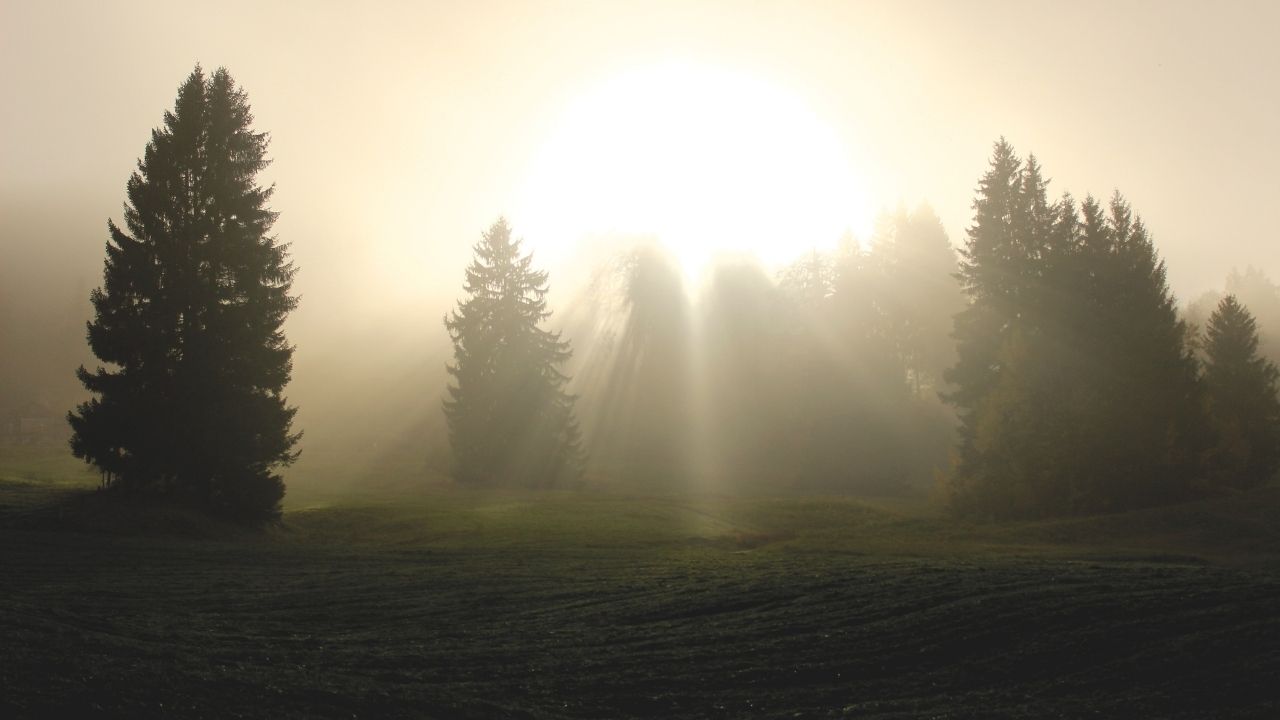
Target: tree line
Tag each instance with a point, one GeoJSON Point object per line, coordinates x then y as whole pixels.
{"type": "Point", "coordinates": [1077, 383]}
{"type": "Point", "coordinates": [1071, 383]}
{"type": "Point", "coordinates": [823, 378]}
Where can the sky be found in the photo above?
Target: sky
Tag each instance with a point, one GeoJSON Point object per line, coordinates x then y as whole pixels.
{"type": "Point", "coordinates": [400, 131]}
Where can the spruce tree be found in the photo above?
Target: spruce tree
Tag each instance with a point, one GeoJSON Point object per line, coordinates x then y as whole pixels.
{"type": "Point", "coordinates": [510, 419]}
{"type": "Point", "coordinates": [1128, 394]}
{"type": "Point", "coordinates": [1241, 387]}
{"type": "Point", "coordinates": [993, 274]}
{"type": "Point", "coordinates": [1075, 382]}
{"type": "Point", "coordinates": [1256, 291]}
{"type": "Point", "coordinates": [188, 319]}
{"type": "Point", "coordinates": [1145, 356]}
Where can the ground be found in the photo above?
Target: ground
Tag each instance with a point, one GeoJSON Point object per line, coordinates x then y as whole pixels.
{"type": "Point", "coordinates": [451, 604]}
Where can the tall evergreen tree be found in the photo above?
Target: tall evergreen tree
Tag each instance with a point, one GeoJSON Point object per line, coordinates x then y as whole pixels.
{"type": "Point", "coordinates": [1241, 387]}
{"type": "Point", "coordinates": [189, 316]}
{"type": "Point", "coordinates": [1153, 423]}
{"type": "Point", "coordinates": [510, 419]}
{"type": "Point", "coordinates": [1128, 395]}
{"type": "Point", "coordinates": [1075, 382]}
{"type": "Point", "coordinates": [993, 274]}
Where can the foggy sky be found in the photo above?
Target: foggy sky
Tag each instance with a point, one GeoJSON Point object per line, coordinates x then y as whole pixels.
{"type": "Point", "coordinates": [401, 130]}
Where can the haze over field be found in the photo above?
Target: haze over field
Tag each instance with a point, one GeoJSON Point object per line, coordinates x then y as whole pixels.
{"type": "Point", "coordinates": [669, 359]}
{"type": "Point", "coordinates": [400, 132]}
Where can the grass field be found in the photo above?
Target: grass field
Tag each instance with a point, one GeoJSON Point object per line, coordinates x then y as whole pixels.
{"type": "Point", "coordinates": [450, 604]}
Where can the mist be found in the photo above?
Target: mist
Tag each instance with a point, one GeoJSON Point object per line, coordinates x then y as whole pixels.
{"type": "Point", "coordinates": [390, 155]}
{"type": "Point", "coordinates": [676, 359]}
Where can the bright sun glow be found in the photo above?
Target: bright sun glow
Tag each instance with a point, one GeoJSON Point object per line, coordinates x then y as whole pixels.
{"type": "Point", "coordinates": [708, 161]}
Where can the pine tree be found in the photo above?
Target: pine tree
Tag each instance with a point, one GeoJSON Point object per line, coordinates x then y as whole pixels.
{"type": "Point", "coordinates": [994, 275]}
{"type": "Point", "coordinates": [189, 317]}
{"type": "Point", "coordinates": [1075, 381]}
{"type": "Point", "coordinates": [1129, 394]}
{"type": "Point", "coordinates": [510, 419]}
{"type": "Point", "coordinates": [1152, 424]}
{"type": "Point", "coordinates": [1241, 387]}
{"type": "Point", "coordinates": [1256, 291]}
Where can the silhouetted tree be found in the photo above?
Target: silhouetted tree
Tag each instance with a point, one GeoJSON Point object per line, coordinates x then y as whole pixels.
{"type": "Point", "coordinates": [1136, 353]}
{"type": "Point", "coordinates": [1124, 406]}
{"type": "Point", "coordinates": [510, 419]}
{"type": "Point", "coordinates": [1252, 289]}
{"type": "Point", "coordinates": [1075, 380]}
{"type": "Point", "coordinates": [995, 273]}
{"type": "Point", "coordinates": [1241, 387]}
{"type": "Point", "coordinates": [189, 316]}
{"type": "Point", "coordinates": [1256, 291]}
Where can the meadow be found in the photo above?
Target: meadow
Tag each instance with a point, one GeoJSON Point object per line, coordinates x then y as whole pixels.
{"type": "Point", "coordinates": [443, 603]}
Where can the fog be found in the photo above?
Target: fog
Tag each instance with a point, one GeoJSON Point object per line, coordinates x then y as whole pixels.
{"type": "Point", "coordinates": [664, 359]}
{"type": "Point", "coordinates": [401, 131]}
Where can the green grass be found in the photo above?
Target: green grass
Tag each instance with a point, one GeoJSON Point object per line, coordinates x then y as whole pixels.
{"type": "Point", "coordinates": [451, 604]}
{"type": "Point", "coordinates": [1244, 529]}
{"type": "Point", "coordinates": [48, 466]}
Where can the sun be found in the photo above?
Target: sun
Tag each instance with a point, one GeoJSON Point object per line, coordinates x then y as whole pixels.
{"type": "Point", "coordinates": [707, 160]}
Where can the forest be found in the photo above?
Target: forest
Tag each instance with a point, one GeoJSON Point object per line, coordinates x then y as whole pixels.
{"type": "Point", "coordinates": [675, 470]}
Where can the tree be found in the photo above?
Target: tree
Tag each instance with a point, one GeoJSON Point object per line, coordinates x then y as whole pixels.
{"type": "Point", "coordinates": [1254, 290]}
{"type": "Point", "coordinates": [994, 274]}
{"type": "Point", "coordinates": [510, 419]}
{"type": "Point", "coordinates": [1075, 380]}
{"type": "Point", "coordinates": [195, 292]}
{"type": "Point", "coordinates": [919, 292]}
{"type": "Point", "coordinates": [1241, 387]}
{"type": "Point", "coordinates": [638, 328]}
{"type": "Point", "coordinates": [815, 398]}
{"type": "Point", "coordinates": [849, 421]}
{"type": "Point", "coordinates": [1137, 353]}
